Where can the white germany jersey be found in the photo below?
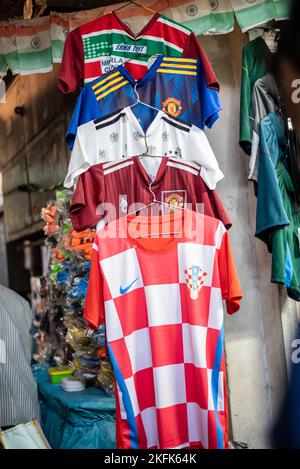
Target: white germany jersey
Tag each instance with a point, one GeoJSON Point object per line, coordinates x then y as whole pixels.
{"type": "Point", "coordinates": [121, 136]}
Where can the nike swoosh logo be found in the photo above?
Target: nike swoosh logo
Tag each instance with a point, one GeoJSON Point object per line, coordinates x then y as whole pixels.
{"type": "Point", "coordinates": [125, 290]}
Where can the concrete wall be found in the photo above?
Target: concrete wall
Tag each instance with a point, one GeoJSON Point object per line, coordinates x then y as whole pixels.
{"type": "Point", "coordinates": [258, 338]}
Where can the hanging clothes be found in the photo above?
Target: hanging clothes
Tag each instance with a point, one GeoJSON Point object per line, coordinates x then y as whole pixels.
{"type": "Point", "coordinates": [273, 149]}
{"type": "Point", "coordinates": [278, 214]}
{"type": "Point", "coordinates": [265, 99]}
{"type": "Point", "coordinates": [121, 136]}
{"type": "Point", "coordinates": [168, 353]}
{"type": "Point", "coordinates": [176, 86]}
{"type": "Point", "coordinates": [294, 160]}
{"type": "Point", "coordinates": [256, 56]}
{"type": "Point", "coordinates": [100, 45]}
{"type": "Point", "coordinates": [286, 242]}
{"type": "Point", "coordinates": [120, 185]}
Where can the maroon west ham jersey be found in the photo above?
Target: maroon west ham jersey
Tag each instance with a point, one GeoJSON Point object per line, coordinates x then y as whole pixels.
{"type": "Point", "coordinates": [114, 189]}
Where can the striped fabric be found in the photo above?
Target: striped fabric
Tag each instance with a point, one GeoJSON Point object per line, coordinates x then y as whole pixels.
{"type": "Point", "coordinates": [25, 46]}
{"type": "Point", "coordinates": [178, 66]}
{"type": "Point", "coordinates": [107, 183]}
{"type": "Point", "coordinates": [18, 389]}
{"type": "Point", "coordinates": [39, 42]}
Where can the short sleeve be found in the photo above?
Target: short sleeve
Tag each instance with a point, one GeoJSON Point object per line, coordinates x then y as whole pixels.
{"type": "Point", "coordinates": [84, 153]}
{"type": "Point", "coordinates": [194, 50]}
{"type": "Point", "coordinates": [229, 281]}
{"type": "Point", "coordinates": [209, 100]}
{"type": "Point", "coordinates": [72, 66]}
{"type": "Point", "coordinates": [94, 303]}
{"type": "Point", "coordinates": [211, 203]}
{"type": "Point", "coordinates": [200, 151]}
{"type": "Point", "coordinates": [86, 110]}
{"type": "Point", "coordinates": [89, 194]}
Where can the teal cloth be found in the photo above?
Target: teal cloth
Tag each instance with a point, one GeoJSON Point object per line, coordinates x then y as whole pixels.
{"type": "Point", "coordinates": [75, 420]}
{"type": "Point", "coordinates": [270, 213]}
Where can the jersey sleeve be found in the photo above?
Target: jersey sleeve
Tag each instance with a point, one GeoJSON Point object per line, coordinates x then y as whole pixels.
{"type": "Point", "coordinates": [89, 194]}
{"type": "Point", "coordinates": [229, 281]}
{"type": "Point", "coordinates": [84, 153]}
{"type": "Point", "coordinates": [94, 303]}
{"type": "Point", "coordinates": [211, 203]}
{"type": "Point", "coordinates": [209, 99]}
{"type": "Point", "coordinates": [200, 151]}
{"type": "Point", "coordinates": [86, 109]}
{"type": "Point", "coordinates": [194, 50]}
{"type": "Point", "coordinates": [72, 66]}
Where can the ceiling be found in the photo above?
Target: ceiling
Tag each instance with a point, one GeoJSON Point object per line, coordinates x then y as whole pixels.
{"type": "Point", "coordinates": [14, 8]}
{"type": "Point", "coordinates": [11, 9]}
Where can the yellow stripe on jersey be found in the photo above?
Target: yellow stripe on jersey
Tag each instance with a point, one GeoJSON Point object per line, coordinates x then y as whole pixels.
{"type": "Point", "coordinates": [179, 59]}
{"type": "Point", "coordinates": [177, 72]}
{"type": "Point", "coordinates": [100, 83]}
{"type": "Point", "coordinates": [114, 88]}
{"type": "Point", "coordinates": [192, 67]}
{"type": "Point", "coordinates": [108, 85]}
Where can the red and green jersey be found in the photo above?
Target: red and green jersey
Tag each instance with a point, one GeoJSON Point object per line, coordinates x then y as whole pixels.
{"type": "Point", "coordinates": [101, 45]}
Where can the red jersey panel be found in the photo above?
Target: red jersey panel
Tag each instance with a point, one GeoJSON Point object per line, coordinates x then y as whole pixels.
{"type": "Point", "coordinates": [124, 187]}
{"type": "Point", "coordinates": [102, 44]}
{"type": "Point", "coordinates": [161, 301]}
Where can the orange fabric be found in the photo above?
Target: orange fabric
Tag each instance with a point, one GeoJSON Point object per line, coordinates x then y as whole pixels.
{"type": "Point", "coordinates": [230, 285]}
{"type": "Point", "coordinates": [94, 305]}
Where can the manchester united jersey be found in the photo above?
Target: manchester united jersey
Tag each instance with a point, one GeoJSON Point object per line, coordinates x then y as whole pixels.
{"type": "Point", "coordinates": [161, 301]}
{"type": "Point", "coordinates": [107, 42]}
{"type": "Point", "coordinates": [174, 85]}
{"type": "Point", "coordinates": [121, 136]}
{"type": "Point", "coordinates": [114, 189]}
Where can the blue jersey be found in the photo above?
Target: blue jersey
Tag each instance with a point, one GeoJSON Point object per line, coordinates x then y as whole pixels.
{"type": "Point", "coordinates": [175, 85]}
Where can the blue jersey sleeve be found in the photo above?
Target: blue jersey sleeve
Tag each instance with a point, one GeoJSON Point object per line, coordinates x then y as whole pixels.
{"type": "Point", "coordinates": [86, 109]}
{"type": "Point", "coordinates": [209, 99]}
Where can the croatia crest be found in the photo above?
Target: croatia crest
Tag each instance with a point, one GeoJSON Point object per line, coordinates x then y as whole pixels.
{"type": "Point", "coordinates": [195, 278]}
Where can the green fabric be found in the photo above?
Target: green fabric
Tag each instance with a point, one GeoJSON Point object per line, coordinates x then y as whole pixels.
{"type": "Point", "coordinates": [218, 17]}
{"type": "Point", "coordinates": [278, 216]}
{"type": "Point", "coordinates": [270, 213]}
{"type": "Point", "coordinates": [220, 23]}
{"type": "Point", "coordinates": [255, 66]}
{"type": "Point", "coordinates": [285, 242]}
{"type": "Point", "coordinates": [254, 13]}
{"type": "Point", "coordinates": [31, 62]}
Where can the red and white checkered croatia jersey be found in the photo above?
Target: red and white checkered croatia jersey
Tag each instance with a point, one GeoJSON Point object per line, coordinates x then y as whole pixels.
{"type": "Point", "coordinates": [161, 301]}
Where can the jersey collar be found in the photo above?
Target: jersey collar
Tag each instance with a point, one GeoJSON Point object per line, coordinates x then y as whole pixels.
{"type": "Point", "coordinates": [149, 74]}
{"type": "Point", "coordinates": [144, 29]}
{"type": "Point", "coordinates": [159, 176]}
{"type": "Point", "coordinates": [136, 126]}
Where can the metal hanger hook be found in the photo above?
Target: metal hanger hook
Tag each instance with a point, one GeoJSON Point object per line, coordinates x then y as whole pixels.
{"type": "Point", "coordinates": [154, 196]}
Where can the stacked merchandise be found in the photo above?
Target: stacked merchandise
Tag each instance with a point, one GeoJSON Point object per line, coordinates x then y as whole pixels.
{"type": "Point", "coordinates": [145, 175]}
{"type": "Point", "coordinates": [63, 336]}
{"type": "Point", "coordinates": [273, 165]}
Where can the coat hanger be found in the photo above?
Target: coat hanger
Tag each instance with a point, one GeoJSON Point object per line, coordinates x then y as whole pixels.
{"type": "Point", "coordinates": [138, 101]}
{"type": "Point", "coordinates": [135, 38]}
{"type": "Point", "coordinates": [155, 201]}
{"type": "Point", "coordinates": [134, 3]}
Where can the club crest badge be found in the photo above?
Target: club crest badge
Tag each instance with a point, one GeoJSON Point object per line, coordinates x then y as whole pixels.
{"type": "Point", "coordinates": [175, 201]}
{"type": "Point", "coordinates": [195, 278]}
{"type": "Point", "coordinates": [172, 106]}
